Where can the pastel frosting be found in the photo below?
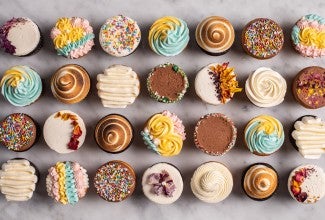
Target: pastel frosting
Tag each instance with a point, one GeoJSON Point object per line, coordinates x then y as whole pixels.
{"type": "Point", "coordinates": [265, 87]}
{"type": "Point", "coordinates": [264, 135]}
{"type": "Point", "coordinates": [212, 182]}
{"type": "Point", "coordinates": [21, 85]}
{"type": "Point", "coordinates": [67, 182]}
{"type": "Point", "coordinates": [164, 133]}
{"type": "Point", "coordinates": [72, 37]}
{"type": "Point", "coordinates": [309, 136]}
{"type": "Point", "coordinates": [168, 36]}
{"type": "Point", "coordinates": [18, 180]}
{"type": "Point", "coordinates": [308, 36]}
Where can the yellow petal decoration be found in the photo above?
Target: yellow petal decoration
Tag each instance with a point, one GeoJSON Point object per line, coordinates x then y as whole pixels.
{"type": "Point", "coordinates": [170, 145]}
{"type": "Point", "coordinates": [160, 125]}
{"type": "Point", "coordinates": [312, 37]}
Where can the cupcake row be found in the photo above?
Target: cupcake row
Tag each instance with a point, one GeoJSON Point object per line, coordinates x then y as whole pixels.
{"type": "Point", "coordinates": [67, 182]}
{"type": "Point", "coordinates": [118, 85]}
{"type": "Point", "coordinates": [119, 36]}
{"type": "Point", "coordinates": [164, 134]}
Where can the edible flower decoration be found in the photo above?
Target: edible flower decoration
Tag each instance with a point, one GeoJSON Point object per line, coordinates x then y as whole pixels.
{"type": "Point", "coordinates": [162, 184]}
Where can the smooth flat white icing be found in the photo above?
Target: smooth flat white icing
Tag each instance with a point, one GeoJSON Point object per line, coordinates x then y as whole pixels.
{"type": "Point", "coordinates": [118, 86]}
{"type": "Point", "coordinates": [175, 176]}
{"type": "Point", "coordinates": [18, 180]}
{"type": "Point", "coordinates": [57, 132]}
{"type": "Point", "coordinates": [265, 87]}
{"type": "Point", "coordinates": [309, 135]}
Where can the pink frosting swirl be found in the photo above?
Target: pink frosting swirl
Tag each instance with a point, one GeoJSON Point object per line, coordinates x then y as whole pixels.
{"type": "Point", "coordinates": [178, 124]}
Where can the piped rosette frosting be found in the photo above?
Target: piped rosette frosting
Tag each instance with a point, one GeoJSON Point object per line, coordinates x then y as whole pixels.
{"type": "Point", "coordinates": [164, 133]}
{"type": "Point", "coordinates": [67, 182]}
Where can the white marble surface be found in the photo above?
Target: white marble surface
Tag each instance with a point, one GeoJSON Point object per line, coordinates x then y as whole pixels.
{"type": "Point", "coordinates": [237, 205]}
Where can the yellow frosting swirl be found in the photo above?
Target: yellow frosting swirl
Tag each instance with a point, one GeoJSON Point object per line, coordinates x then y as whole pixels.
{"type": "Point", "coordinates": [60, 169]}
{"type": "Point", "coordinates": [63, 24]}
{"type": "Point", "coordinates": [15, 77]}
{"type": "Point", "coordinates": [269, 124]}
{"type": "Point", "coordinates": [170, 145]}
{"type": "Point", "coordinates": [312, 37]}
{"type": "Point", "coordinates": [160, 125]}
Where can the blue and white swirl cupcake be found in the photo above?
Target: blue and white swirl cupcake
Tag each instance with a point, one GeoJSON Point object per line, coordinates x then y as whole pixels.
{"type": "Point", "coordinates": [21, 86]}
{"type": "Point", "coordinates": [168, 36]}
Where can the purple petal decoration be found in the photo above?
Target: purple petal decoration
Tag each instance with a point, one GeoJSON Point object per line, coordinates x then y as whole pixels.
{"type": "Point", "coordinates": [162, 184]}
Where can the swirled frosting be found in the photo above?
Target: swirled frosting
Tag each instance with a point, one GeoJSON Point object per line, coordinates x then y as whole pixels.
{"type": "Point", "coordinates": [308, 36]}
{"type": "Point", "coordinates": [215, 34]}
{"type": "Point", "coordinates": [212, 182]}
{"type": "Point", "coordinates": [164, 133]}
{"type": "Point", "coordinates": [260, 181]}
{"type": "Point", "coordinates": [168, 36]}
{"type": "Point", "coordinates": [18, 180]}
{"type": "Point", "coordinates": [118, 86]}
{"type": "Point", "coordinates": [265, 87]}
{"type": "Point", "coordinates": [114, 133]}
{"type": "Point", "coordinates": [67, 182]}
{"type": "Point", "coordinates": [21, 85]}
{"type": "Point", "coordinates": [264, 135]}
{"type": "Point", "coordinates": [70, 84]}
{"type": "Point", "coordinates": [309, 136]}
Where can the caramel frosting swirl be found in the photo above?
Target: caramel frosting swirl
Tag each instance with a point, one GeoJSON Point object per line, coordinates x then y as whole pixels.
{"type": "Point", "coordinates": [70, 84]}
{"type": "Point", "coordinates": [215, 34]}
{"type": "Point", "coordinates": [114, 133]}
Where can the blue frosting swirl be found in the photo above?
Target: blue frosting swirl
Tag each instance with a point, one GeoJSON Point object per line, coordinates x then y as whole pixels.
{"type": "Point", "coordinates": [148, 141]}
{"type": "Point", "coordinates": [65, 51]}
{"type": "Point", "coordinates": [70, 188]}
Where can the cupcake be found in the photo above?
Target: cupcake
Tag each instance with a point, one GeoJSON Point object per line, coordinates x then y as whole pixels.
{"type": "Point", "coordinates": [119, 36]}
{"type": "Point", "coordinates": [67, 182]}
{"type": "Point", "coordinates": [264, 135]}
{"type": "Point", "coordinates": [20, 37]}
{"type": "Point", "coordinates": [216, 84]}
{"type": "Point", "coordinates": [260, 181]}
{"type": "Point", "coordinates": [164, 133]}
{"type": "Point", "coordinates": [64, 131]}
{"type": "Point", "coordinates": [167, 83]}
{"type": "Point", "coordinates": [18, 132]}
{"type": "Point", "coordinates": [212, 182]}
{"type": "Point", "coordinates": [215, 35]}
{"type": "Point", "coordinates": [18, 179]}
{"type": "Point", "coordinates": [309, 87]}
{"type": "Point", "coordinates": [308, 36]}
{"type": "Point", "coordinates": [118, 86]}
{"type": "Point", "coordinates": [70, 84]}
{"type": "Point", "coordinates": [72, 37]}
{"type": "Point", "coordinates": [162, 183]}
{"type": "Point", "coordinates": [265, 87]}
{"type": "Point", "coordinates": [114, 133]}
{"type": "Point", "coordinates": [306, 184]}
{"type": "Point", "coordinates": [308, 136]}
{"type": "Point", "coordinates": [115, 181]}
{"type": "Point", "coordinates": [168, 36]}
{"type": "Point", "coordinates": [215, 134]}
{"type": "Point", "coordinates": [21, 86]}
{"type": "Point", "coordinates": [262, 38]}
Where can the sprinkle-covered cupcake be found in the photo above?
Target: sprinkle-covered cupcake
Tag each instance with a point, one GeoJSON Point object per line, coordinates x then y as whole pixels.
{"type": "Point", "coordinates": [162, 183]}
{"type": "Point", "coordinates": [21, 86]}
{"type": "Point", "coordinates": [18, 179]}
{"type": "Point", "coordinates": [164, 133]}
{"type": "Point", "coordinates": [308, 36]}
{"type": "Point", "coordinates": [262, 38]}
{"type": "Point", "coordinates": [18, 132]}
{"type": "Point", "coordinates": [67, 182]}
{"type": "Point", "coordinates": [20, 37]}
{"type": "Point", "coordinates": [115, 181]}
{"type": "Point", "coordinates": [215, 35]}
{"type": "Point", "coordinates": [167, 83]}
{"type": "Point", "coordinates": [70, 84]}
{"type": "Point", "coordinates": [212, 182]}
{"type": "Point", "coordinates": [114, 133]}
{"type": "Point", "coordinates": [306, 184]}
{"type": "Point", "coordinates": [216, 84]}
{"type": "Point", "coordinates": [118, 86]}
{"type": "Point", "coordinates": [64, 131]}
{"type": "Point", "coordinates": [308, 136]}
{"type": "Point", "coordinates": [215, 134]}
{"type": "Point", "coordinates": [119, 36]}
{"type": "Point", "coordinates": [168, 36]}
{"type": "Point", "coordinates": [260, 181]}
{"type": "Point", "coordinates": [72, 37]}
{"type": "Point", "coordinates": [265, 87]}
{"type": "Point", "coordinates": [264, 135]}
{"type": "Point", "coordinates": [309, 87]}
